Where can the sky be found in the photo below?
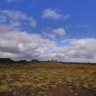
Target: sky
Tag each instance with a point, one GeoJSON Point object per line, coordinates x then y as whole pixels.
{"type": "Point", "coordinates": [63, 30]}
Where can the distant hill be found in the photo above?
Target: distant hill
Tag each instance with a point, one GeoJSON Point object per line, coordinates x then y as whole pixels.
{"type": "Point", "coordinates": [5, 60]}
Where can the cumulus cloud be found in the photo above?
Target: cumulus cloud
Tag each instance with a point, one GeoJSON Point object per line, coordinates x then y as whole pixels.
{"type": "Point", "coordinates": [31, 45]}
{"type": "Point", "coordinates": [50, 35]}
{"type": "Point", "coordinates": [59, 31]}
{"type": "Point", "coordinates": [9, 27]}
{"type": "Point", "coordinates": [53, 14]}
{"type": "Point", "coordinates": [18, 16]}
{"type": "Point", "coordinates": [82, 50]}
{"type": "Point", "coordinates": [18, 44]}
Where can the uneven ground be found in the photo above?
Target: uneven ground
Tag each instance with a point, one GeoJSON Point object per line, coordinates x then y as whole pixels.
{"type": "Point", "coordinates": [48, 79]}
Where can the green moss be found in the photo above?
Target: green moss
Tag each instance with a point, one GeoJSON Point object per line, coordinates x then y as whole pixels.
{"type": "Point", "coordinates": [50, 73]}
{"type": "Point", "coordinates": [5, 87]}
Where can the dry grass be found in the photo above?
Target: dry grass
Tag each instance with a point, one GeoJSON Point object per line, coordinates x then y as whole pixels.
{"type": "Point", "coordinates": [40, 78]}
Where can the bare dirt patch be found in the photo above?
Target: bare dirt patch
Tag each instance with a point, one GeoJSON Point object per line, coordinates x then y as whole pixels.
{"type": "Point", "coordinates": [17, 91]}
{"type": "Point", "coordinates": [65, 90]}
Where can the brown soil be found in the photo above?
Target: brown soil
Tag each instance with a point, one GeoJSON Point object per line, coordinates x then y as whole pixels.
{"type": "Point", "coordinates": [65, 90]}
{"type": "Point", "coordinates": [60, 90]}
{"type": "Point", "coordinates": [15, 77]}
{"type": "Point", "coordinates": [17, 91]}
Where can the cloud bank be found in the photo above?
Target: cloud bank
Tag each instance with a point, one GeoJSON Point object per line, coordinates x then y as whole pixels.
{"type": "Point", "coordinates": [16, 43]}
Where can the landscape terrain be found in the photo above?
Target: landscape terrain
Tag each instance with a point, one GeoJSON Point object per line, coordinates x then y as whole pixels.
{"type": "Point", "coordinates": [47, 47]}
{"type": "Point", "coordinates": [47, 78]}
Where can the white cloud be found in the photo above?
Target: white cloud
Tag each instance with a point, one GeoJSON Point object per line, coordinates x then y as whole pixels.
{"type": "Point", "coordinates": [19, 16]}
{"type": "Point", "coordinates": [33, 46]}
{"type": "Point", "coordinates": [66, 40]}
{"type": "Point", "coordinates": [49, 13]}
{"type": "Point", "coordinates": [66, 17]}
{"type": "Point", "coordinates": [18, 44]}
{"type": "Point", "coordinates": [83, 26]}
{"type": "Point", "coordinates": [60, 31]}
{"type": "Point", "coordinates": [55, 32]}
{"type": "Point", "coordinates": [2, 19]}
{"type": "Point", "coordinates": [14, 24]}
{"type": "Point", "coordinates": [9, 27]}
{"type": "Point", "coordinates": [82, 50]}
{"type": "Point", "coordinates": [15, 15]}
{"type": "Point", "coordinates": [30, 46]}
{"type": "Point", "coordinates": [50, 35]}
{"type": "Point", "coordinates": [68, 26]}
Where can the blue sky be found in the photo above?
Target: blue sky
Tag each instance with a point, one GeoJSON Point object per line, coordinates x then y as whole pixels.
{"type": "Point", "coordinates": [59, 29]}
